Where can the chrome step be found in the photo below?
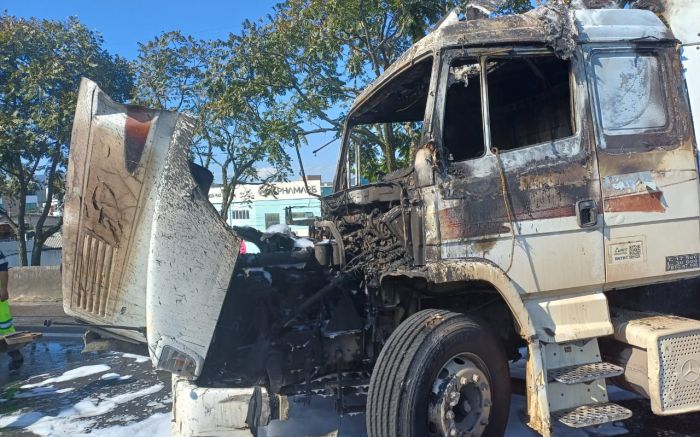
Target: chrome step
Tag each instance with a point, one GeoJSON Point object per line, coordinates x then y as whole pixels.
{"type": "Point", "coordinates": [584, 373]}
{"type": "Point", "coordinates": [591, 415]}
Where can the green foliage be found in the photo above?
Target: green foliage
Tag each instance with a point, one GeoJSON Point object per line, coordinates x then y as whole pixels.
{"type": "Point", "coordinates": [514, 7]}
{"type": "Point", "coordinates": [41, 63]}
{"type": "Point", "coordinates": [237, 125]}
{"type": "Point", "coordinates": [285, 78]}
{"type": "Point", "coordinates": [320, 54]}
{"type": "Point", "coordinates": [169, 74]}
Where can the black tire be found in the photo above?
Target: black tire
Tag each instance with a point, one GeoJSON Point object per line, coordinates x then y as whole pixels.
{"type": "Point", "coordinates": [408, 365]}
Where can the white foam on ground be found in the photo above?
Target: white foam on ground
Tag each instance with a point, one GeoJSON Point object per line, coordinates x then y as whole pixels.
{"type": "Point", "coordinates": [138, 358]}
{"type": "Point", "coordinates": [20, 420]}
{"type": "Point", "coordinates": [155, 404]}
{"type": "Point", "coordinates": [158, 425]}
{"type": "Point", "coordinates": [68, 422]}
{"type": "Point", "coordinates": [60, 426]}
{"type": "Point", "coordinates": [89, 408]}
{"type": "Point", "coordinates": [41, 391]}
{"type": "Point", "coordinates": [109, 376]}
{"type": "Point", "coordinates": [76, 373]}
{"type": "Point", "coordinates": [123, 418]}
{"type": "Point", "coordinates": [38, 376]}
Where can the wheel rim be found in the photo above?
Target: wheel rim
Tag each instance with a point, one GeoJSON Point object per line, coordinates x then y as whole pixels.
{"type": "Point", "coordinates": [460, 404]}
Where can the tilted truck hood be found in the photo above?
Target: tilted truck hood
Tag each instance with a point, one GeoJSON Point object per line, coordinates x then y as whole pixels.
{"type": "Point", "coordinates": [143, 247]}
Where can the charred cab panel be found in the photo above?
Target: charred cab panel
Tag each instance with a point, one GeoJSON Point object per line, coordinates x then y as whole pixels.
{"type": "Point", "coordinates": [520, 185]}
{"type": "Point", "coordinates": [139, 229]}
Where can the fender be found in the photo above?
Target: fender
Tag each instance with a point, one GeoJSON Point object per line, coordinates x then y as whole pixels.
{"type": "Point", "coordinates": [442, 272]}
{"type": "Point", "coordinates": [476, 269]}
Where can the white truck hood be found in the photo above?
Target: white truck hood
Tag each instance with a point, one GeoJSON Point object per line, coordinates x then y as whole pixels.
{"type": "Point", "coordinates": [143, 247]}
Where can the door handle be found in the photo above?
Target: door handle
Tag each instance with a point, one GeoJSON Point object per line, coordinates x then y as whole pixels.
{"type": "Point", "coordinates": [586, 213]}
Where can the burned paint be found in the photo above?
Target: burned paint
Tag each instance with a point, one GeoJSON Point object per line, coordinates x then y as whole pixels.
{"type": "Point", "coordinates": [560, 29]}
{"type": "Point", "coordinates": [136, 128]}
{"type": "Point", "coordinates": [640, 202]}
{"type": "Point", "coordinates": [633, 192]}
{"type": "Point", "coordinates": [550, 192]}
{"type": "Point", "coordinates": [535, 179]}
{"type": "Point", "coordinates": [454, 225]}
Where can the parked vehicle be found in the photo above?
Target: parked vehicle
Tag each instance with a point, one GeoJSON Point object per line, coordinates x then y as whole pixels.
{"type": "Point", "coordinates": [552, 204]}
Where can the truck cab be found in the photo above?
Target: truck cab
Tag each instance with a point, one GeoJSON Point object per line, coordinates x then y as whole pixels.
{"type": "Point", "coordinates": [500, 188]}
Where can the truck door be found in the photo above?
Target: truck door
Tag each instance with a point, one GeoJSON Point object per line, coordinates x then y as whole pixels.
{"type": "Point", "coordinates": [647, 163]}
{"type": "Point", "coordinates": [144, 250]}
{"type": "Point", "coordinates": [522, 189]}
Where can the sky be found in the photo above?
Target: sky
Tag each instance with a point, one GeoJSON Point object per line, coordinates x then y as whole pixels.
{"type": "Point", "coordinates": [125, 23]}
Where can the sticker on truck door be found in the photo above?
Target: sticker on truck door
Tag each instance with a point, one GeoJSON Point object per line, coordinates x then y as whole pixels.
{"type": "Point", "coordinates": [683, 262]}
{"type": "Point", "coordinates": [629, 251]}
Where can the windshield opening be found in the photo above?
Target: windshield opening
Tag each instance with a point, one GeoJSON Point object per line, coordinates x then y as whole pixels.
{"type": "Point", "coordinates": [383, 133]}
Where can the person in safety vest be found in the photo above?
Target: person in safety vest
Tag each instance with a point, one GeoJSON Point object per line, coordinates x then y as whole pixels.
{"type": "Point", "coordinates": [6, 326]}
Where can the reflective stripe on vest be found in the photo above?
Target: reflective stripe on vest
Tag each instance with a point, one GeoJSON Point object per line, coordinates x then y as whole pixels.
{"type": "Point", "coordinates": [6, 326]}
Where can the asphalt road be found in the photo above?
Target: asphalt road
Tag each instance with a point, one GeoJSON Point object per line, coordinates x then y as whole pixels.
{"type": "Point", "coordinates": [60, 391]}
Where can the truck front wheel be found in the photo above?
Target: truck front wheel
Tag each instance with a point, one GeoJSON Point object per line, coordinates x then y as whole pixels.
{"type": "Point", "coordinates": [439, 374]}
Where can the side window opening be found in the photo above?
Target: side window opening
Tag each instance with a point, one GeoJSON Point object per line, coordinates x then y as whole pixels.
{"type": "Point", "coordinates": [463, 133]}
{"type": "Point", "coordinates": [529, 101]}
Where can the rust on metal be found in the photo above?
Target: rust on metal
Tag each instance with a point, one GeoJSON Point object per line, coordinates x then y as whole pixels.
{"type": "Point", "coordinates": [136, 128]}
{"type": "Point", "coordinates": [454, 225]}
{"type": "Point", "coordinates": [639, 202]}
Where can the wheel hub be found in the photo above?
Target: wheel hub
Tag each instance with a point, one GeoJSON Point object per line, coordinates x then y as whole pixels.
{"type": "Point", "coordinates": [461, 401]}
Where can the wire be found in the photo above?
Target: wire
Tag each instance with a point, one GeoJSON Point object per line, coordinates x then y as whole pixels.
{"type": "Point", "coordinates": [504, 192]}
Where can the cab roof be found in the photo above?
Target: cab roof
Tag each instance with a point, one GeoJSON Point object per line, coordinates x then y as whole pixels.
{"type": "Point", "coordinates": [593, 25]}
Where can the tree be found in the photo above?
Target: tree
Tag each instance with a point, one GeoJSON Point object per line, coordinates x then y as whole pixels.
{"type": "Point", "coordinates": [41, 63]}
{"type": "Point", "coordinates": [320, 54]}
{"type": "Point", "coordinates": [169, 73]}
{"type": "Point", "coordinates": [235, 131]}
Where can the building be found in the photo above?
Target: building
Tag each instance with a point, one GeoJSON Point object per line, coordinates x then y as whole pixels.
{"type": "Point", "coordinates": [52, 249]}
{"type": "Point", "coordinates": [253, 208]}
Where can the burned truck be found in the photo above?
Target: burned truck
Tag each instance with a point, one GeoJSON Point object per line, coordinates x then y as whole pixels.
{"type": "Point", "coordinates": [550, 213]}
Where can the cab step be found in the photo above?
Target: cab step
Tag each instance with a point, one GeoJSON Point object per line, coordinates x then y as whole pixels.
{"type": "Point", "coordinates": [584, 373]}
{"type": "Point", "coordinates": [593, 414]}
